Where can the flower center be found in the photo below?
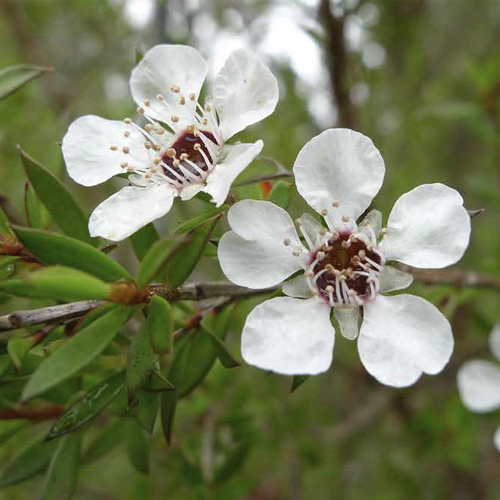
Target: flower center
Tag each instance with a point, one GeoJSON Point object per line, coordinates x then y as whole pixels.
{"type": "Point", "coordinates": [345, 270]}
{"type": "Point", "coordinates": [187, 157]}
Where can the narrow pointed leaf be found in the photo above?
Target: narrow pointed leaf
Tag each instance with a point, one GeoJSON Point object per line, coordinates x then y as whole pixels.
{"type": "Point", "coordinates": [183, 261]}
{"type": "Point", "coordinates": [168, 407]}
{"type": "Point", "coordinates": [144, 239]}
{"type": "Point", "coordinates": [57, 200]}
{"type": "Point", "coordinates": [281, 194]}
{"type": "Point", "coordinates": [154, 262]}
{"type": "Point", "coordinates": [5, 229]}
{"type": "Point", "coordinates": [138, 447]}
{"type": "Point", "coordinates": [18, 348]}
{"type": "Point", "coordinates": [139, 363]}
{"type": "Point", "coordinates": [7, 261]}
{"type": "Point", "coordinates": [186, 375]}
{"type": "Point", "coordinates": [107, 439]}
{"type": "Point", "coordinates": [78, 352]}
{"type": "Point", "coordinates": [7, 434]}
{"type": "Point", "coordinates": [156, 382]}
{"type": "Point", "coordinates": [57, 283]}
{"type": "Point", "coordinates": [297, 381]}
{"type": "Point", "coordinates": [196, 221]}
{"type": "Point", "coordinates": [53, 248]}
{"type": "Point", "coordinates": [160, 323]}
{"type": "Point", "coordinates": [31, 460]}
{"type": "Point", "coordinates": [146, 410]}
{"type": "Point", "coordinates": [89, 406]}
{"type": "Point", "coordinates": [60, 481]}
{"type": "Point", "coordinates": [34, 213]}
{"type": "Point", "coordinates": [225, 357]}
{"type": "Point", "coordinates": [15, 77]}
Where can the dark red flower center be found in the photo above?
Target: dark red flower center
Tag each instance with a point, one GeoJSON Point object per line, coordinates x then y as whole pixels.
{"type": "Point", "coordinates": [346, 268]}
{"type": "Point", "coordinates": [184, 151]}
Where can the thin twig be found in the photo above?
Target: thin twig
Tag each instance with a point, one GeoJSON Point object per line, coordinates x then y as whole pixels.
{"type": "Point", "coordinates": [35, 414]}
{"type": "Point", "coordinates": [210, 290]}
{"type": "Point", "coordinates": [271, 177]}
{"type": "Point", "coordinates": [51, 314]}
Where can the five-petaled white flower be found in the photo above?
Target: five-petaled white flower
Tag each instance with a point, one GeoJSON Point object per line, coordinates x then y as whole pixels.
{"type": "Point", "coordinates": [479, 382]}
{"type": "Point", "coordinates": [182, 148]}
{"type": "Point", "coordinates": [345, 267]}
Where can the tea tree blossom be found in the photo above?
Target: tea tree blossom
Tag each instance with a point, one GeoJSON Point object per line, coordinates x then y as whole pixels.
{"type": "Point", "coordinates": [181, 148]}
{"type": "Point", "coordinates": [345, 266]}
{"type": "Point", "coordinates": [479, 382]}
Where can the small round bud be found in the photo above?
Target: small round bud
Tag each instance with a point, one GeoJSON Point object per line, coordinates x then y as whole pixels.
{"type": "Point", "coordinates": [287, 242]}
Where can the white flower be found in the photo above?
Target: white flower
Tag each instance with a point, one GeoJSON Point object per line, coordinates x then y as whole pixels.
{"type": "Point", "coordinates": [182, 148]}
{"type": "Point", "coordinates": [345, 266]}
{"type": "Point", "coordinates": [479, 383]}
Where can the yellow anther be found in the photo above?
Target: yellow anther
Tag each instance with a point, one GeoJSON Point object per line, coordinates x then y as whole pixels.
{"type": "Point", "coordinates": [171, 152]}
{"type": "Point", "coordinates": [113, 148]}
{"type": "Point", "coordinates": [126, 150]}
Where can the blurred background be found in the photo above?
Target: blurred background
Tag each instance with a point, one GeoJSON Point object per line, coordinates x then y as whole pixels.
{"type": "Point", "coordinates": [422, 79]}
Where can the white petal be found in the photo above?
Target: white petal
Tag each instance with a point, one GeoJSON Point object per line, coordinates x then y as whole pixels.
{"type": "Point", "coordinates": [254, 253]}
{"type": "Point", "coordinates": [494, 341]}
{"type": "Point", "coordinates": [86, 149]}
{"type": "Point", "coordinates": [191, 190]}
{"type": "Point", "coordinates": [289, 336]}
{"type": "Point", "coordinates": [348, 318]}
{"type": "Point", "coordinates": [236, 159]}
{"type": "Point", "coordinates": [393, 279]}
{"type": "Point", "coordinates": [130, 209]}
{"type": "Point", "coordinates": [479, 385]}
{"type": "Point", "coordinates": [428, 227]}
{"type": "Point", "coordinates": [311, 229]}
{"type": "Point", "coordinates": [496, 439]}
{"type": "Point", "coordinates": [372, 220]}
{"type": "Point", "coordinates": [339, 166]}
{"type": "Point", "coordinates": [297, 287]}
{"type": "Point", "coordinates": [160, 68]}
{"type": "Point", "coordinates": [402, 337]}
{"type": "Point", "coordinates": [245, 92]}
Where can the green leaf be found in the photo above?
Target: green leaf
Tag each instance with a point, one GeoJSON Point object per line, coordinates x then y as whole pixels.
{"type": "Point", "coordinates": [107, 439]}
{"type": "Point", "coordinates": [225, 357]}
{"type": "Point", "coordinates": [53, 248]}
{"type": "Point", "coordinates": [297, 381]}
{"type": "Point", "coordinates": [18, 348]}
{"type": "Point", "coordinates": [34, 213]}
{"type": "Point", "coordinates": [7, 261]}
{"type": "Point", "coordinates": [15, 77]}
{"type": "Point", "coordinates": [5, 229]}
{"type": "Point", "coordinates": [78, 352]}
{"type": "Point", "coordinates": [57, 283]}
{"type": "Point", "coordinates": [156, 382]}
{"type": "Point", "coordinates": [168, 406]}
{"type": "Point", "coordinates": [57, 199]}
{"type": "Point", "coordinates": [31, 460]}
{"type": "Point", "coordinates": [139, 363]}
{"type": "Point", "coordinates": [60, 482]}
{"type": "Point", "coordinates": [156, 259]}
{"type": "Point", "coordinates": [138, 447]}
{"type": "Point", "coordinates": [7, 434]}
{"type": "Point", "coordinates": [146, 410]}
{"type": "Point", "coordinates": [160, 324]}
{"type": "Point", "coordinates": [281, 194]}
{"type": "Point", "coordinates": [196, 221]}
{"type": "Point", "coordinates": [144, 239]}
{"type": "Point", "coordinates": [89, 406]}
{"type": "Point", "coordinates": [184, 260]}
{"type": "Point", "coordinates": [186, 374]}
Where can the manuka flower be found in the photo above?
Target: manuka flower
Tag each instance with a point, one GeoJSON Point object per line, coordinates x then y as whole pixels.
{"type": "Point", "coordinates": [479, 382]}
{"type": "Point", "coordinates": [181, 150]}
{"type": "Point", "coordinates": [345, 266]}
